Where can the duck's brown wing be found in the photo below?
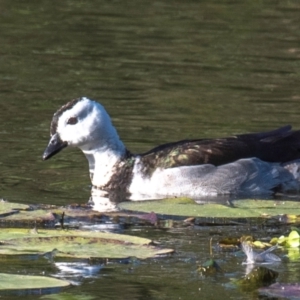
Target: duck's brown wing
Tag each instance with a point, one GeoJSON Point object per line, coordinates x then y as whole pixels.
{"type": "Point", "coordinates": [280, 145]}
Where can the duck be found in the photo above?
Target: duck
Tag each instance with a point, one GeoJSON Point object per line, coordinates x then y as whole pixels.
{"type": "Point", "coordinates": [248, 164]}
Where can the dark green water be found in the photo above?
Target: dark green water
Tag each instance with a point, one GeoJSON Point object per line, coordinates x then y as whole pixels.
{"type": "Point", "coordinates": [165, 71]}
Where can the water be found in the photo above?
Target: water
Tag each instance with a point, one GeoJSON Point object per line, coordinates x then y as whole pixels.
{"type": "Point", "coordinates": [165, 71]}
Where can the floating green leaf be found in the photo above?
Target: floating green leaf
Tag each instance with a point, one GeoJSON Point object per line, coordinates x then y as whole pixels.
{"type": "Point", "coordinates": [16, 213]}
{"type": "Point", "coordinates": [293, 239]}
{"type": "Point", "coordinates": [8, 208]}
{"type": "Point", "coordinates": [24, 284]}
{"type": "Point", "coordinates": [237, 208]}
{"type": "Point", "coordinates": [76, 243]}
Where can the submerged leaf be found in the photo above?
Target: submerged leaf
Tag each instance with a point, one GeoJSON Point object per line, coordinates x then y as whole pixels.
{"type": "Point", "coordinates": [231, 241]}
{"type": "Point", "coordinates": [293, 254]}
{"type": "Point", "coordinates": [210, 267]}
{"type": "Point", "coordinates": [261, 245]}
{"type": "Point", "coordinates": [151, 217]}
{"type": "Point", "coordinates": [258, 277]}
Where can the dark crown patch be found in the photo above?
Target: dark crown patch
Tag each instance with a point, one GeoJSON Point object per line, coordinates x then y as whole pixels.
{"type": "Point", "coordinates": [56, 116]}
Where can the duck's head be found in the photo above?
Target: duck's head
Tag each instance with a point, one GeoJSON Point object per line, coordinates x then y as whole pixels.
{"type": "Point", "coordinates": [81, 123]}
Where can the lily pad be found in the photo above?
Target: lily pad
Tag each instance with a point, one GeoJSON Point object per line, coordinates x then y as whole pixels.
{"type": "Point", "coordinates": [8, 208]}
{"type": "Point", "coordinates": [34, 215]}
{"type": "Point", "coordinates": [18, 214]}
{"type": "Point", "coordinates": [248, 208]}
{"type": "Point", "coordinates": [76, 243]}
{"type": "Point", "coordinates": [24, 284]}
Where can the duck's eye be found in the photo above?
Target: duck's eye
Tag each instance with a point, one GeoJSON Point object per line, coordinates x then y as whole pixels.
{"type": "Point", "coordinates": [72, 121]}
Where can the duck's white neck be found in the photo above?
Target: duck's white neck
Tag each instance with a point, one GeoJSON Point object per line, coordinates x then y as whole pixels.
{"type": "Point", "coordinates": [102, 158]}
{"type": "Point", "coordinates": [96, 136]}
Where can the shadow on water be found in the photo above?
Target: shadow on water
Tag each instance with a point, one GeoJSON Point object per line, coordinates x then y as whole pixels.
{"type": "Point", "coordinates": [164, 71]}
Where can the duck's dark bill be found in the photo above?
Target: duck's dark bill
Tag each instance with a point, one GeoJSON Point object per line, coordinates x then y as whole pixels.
{"type": "Point", "coordinates": [55, 145]}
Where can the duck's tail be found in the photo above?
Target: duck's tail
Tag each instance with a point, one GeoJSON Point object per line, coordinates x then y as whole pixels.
{"type": "Point", "coordinates": [279, 145]}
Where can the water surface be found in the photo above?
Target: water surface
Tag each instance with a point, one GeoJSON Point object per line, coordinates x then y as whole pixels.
{"type": "Point", "coordinates": [165, 71]}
